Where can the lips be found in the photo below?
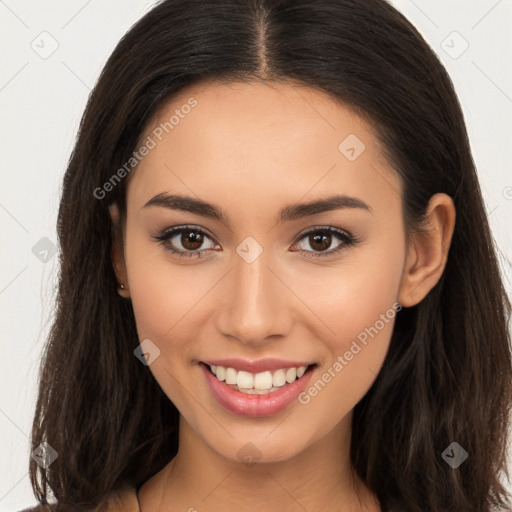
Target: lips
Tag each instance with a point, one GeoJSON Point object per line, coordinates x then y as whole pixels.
{"type": "Point", "coordinates": [256, 405]}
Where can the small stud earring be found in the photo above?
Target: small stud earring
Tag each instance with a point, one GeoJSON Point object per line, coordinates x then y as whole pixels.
{"type": "Point", "coordinates": [122, 290]}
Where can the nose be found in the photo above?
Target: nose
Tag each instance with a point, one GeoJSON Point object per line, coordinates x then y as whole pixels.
{"type": "Point", "coordinates": [255, 306]}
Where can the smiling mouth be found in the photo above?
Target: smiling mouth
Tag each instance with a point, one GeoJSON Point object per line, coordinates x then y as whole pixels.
{"type": "Point", "coordinates": [258, 383]}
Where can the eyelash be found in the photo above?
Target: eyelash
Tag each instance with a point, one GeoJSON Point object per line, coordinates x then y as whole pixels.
{"type": "Point", "coordinates": [347, 239]}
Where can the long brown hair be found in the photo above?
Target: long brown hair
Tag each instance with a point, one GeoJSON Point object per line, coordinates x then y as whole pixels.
{"type": "Point", "coordinates": [447, 376]}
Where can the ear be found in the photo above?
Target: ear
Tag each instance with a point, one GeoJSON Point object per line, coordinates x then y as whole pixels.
{"type": "Point", "coordinates": [428, 251]}
{"type": "Point", "coordinates": [118, 260]}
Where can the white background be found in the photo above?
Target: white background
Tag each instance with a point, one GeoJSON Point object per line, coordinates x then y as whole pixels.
{"type": "Point", "coordinates": [42, 100]}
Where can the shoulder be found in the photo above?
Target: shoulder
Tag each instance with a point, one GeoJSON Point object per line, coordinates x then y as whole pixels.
{"type": "Point", "coordinates": [121, 499]}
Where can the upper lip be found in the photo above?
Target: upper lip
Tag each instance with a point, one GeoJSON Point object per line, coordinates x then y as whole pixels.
{"type": "Point", "coordinates": [258, 366]}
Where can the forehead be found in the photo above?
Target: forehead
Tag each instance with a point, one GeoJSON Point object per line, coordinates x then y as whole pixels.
{"type": "Point", "coordinates": [260, 142]}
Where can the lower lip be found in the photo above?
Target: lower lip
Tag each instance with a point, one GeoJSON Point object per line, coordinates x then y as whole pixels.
{"type": "Point", "coordinates": [254, 406]}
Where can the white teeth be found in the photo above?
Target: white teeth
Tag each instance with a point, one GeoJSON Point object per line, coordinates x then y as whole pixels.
{"type": "Point", "coordinates": [220, 371]}
{"type": "Point", "coordinates": [244, 380]}
{"type": "Point", "coordinates": [230, 375]}
{"type": "Point", "coordinates": [259, 383]}
{"type": "Point", "coordinates": [291, 375]}
{"type": "Point", "coordinates": [279, 378]}
{"type": "Point", "coordinates": [262, 380]}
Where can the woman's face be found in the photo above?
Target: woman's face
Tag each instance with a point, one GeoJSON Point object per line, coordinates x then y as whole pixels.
{"type": "Point", "coordinates": [269, 283]}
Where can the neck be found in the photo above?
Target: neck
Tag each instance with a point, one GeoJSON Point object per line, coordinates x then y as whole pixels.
{"type": "Point", "coordinates": [317, 479]}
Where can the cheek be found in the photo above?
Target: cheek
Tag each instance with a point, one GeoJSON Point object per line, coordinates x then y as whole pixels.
{"type": "Point", "coordinates": [355, 359]}
{"type": "Point", "coordinates": [358, 305]}
{"type": "Point", "coordinates": [163, 294]}
{"type": "Point", "coordinates": [164, 299]}
{"type": "Point", "coordinates": [352, 298]}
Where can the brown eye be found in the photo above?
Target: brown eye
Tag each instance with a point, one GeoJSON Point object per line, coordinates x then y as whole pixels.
{"type": "Point", "coordinates": [320, 242]}
{"type": "Point", "coordinates": [185, 241]}
{"type": "Point", "coordinates": [321, 239]}
{"type": "Point", "coordinates": [191, 240]}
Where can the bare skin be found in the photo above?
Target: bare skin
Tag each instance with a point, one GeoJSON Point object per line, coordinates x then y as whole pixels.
{"type": "Point", "coordinates": [252, 150]}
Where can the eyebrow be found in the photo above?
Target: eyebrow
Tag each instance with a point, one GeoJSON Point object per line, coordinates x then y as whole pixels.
{"type": "Point", "coordinates": [287, 214]}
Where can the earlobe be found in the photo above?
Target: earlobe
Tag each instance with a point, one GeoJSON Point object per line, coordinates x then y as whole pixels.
{"type": "Point", "coordinates": [118, 260]}
{"type": "Point", "coordinates": [428, 251]}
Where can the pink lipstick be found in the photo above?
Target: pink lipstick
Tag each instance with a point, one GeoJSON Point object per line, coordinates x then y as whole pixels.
{"type": "Point", "coordinates": [269, 402]}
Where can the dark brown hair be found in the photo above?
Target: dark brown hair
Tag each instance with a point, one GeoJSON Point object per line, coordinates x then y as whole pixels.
{"type": "Point", "coordinates": [448, 372]}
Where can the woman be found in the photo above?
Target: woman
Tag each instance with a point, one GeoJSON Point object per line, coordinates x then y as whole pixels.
{"type": "Point", "coordinates": [278, 284]}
